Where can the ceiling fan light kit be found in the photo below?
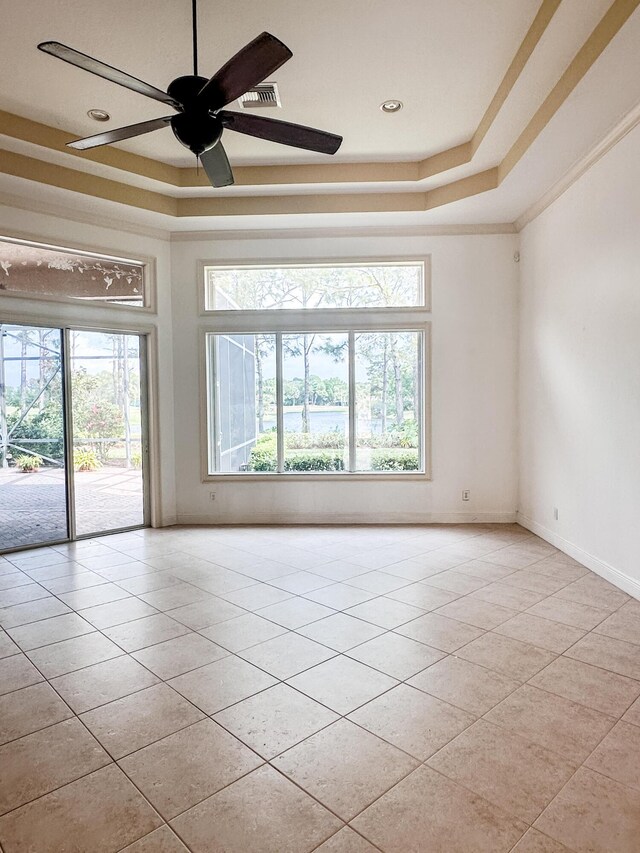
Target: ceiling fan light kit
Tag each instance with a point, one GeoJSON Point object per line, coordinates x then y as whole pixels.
{"type": "Point", "coordinates": [200, 117]}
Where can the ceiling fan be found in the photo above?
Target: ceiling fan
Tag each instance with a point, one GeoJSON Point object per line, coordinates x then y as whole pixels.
{"type": "Point", "coordinates": [201, 118]}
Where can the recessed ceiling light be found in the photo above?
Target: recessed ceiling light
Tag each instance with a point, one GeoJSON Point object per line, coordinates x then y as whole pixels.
{"type": "Point", "coordinates": [393, 106]}
{"type": "Point", "coordinates": [98, 115]}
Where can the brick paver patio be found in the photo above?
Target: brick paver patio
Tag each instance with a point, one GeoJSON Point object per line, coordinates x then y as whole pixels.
{"type": "Point", "coordinates": [32, 506]}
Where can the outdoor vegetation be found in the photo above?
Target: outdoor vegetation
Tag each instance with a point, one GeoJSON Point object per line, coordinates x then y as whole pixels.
{"type": "Point", "coordinates": [315, 394]}
{"type": "Point", "coordinates": [85, 460]}
{"type": "Point", "coordinates": [106, 410]}
{"type": "Point", "coordinates": [29, 462]}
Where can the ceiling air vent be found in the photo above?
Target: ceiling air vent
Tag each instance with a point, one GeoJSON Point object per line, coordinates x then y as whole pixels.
{"type": "Point", "coordinates": [263, 95]}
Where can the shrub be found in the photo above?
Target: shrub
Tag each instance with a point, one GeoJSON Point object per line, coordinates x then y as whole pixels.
{"type": "Point", "coordinates": [85, 460]}
{"type": "Point", "coordinates": [267, 439]}
{"type": "Point", "coordinates": [136, 459]}
{"type": "Point", "coordinates": [29, 462]}
{"type": "Point", "coordinates": [314, 461]}
{"type": "Point", "coordinates": [394, 460]}
{"type": "Point", "coordinates": [331, 440]}
{"type": "Point", "coordinates": [306, 440]}
{"type": "Point", "coordinates": [262, 458]}
{"type": "Point", "coordinates": [407, 435]}
{"type": "Point", "coordinates": [374, 439]}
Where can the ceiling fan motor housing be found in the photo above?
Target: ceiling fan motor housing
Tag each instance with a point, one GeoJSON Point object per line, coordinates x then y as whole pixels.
{"type": "Point", "coordinates": [196, 128]}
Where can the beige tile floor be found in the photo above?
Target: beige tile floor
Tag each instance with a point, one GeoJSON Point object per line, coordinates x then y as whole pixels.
{"type": "Point", "coordinates": [446, 689]}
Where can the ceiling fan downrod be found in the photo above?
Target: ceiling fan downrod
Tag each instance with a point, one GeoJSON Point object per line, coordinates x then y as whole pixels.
{"type": "Point", "coordinates": [194, 26]}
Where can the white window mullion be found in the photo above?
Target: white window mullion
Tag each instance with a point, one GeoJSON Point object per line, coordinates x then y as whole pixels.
{"type": "Point", "coordinates": [213, 403]}
{"type": "Point", "coordinates": [420, 380]}
{"type": "Point", "coordinates": [279, 405]}
{"type": "Point", "coordinates": [352, 401]}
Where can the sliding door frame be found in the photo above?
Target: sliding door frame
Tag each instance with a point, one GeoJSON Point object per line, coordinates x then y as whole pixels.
{"type": "Point", "coordinates": [27, 323]}
{"type": "Point", "coordinates": [147, 335]}
{"type": "Point", "coordinates": [74, 536]}
{"type": "Point", "coordinates": [65, 351]}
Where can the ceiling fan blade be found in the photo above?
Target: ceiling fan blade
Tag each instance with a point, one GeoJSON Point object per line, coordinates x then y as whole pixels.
{"type": "Point", "coordinates": [119, 133]}
{"type": "Point", "coordinates": [284, 132]}
{"type": "Point", "coordinates": [94, 66]}
{"type": "Point", "coordinates": [215, 163]}
{"type": "Point", "coordinates": [246, 69]}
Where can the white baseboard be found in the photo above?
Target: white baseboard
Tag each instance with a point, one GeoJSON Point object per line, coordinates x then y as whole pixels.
{"type": "Point", "coordinates": [613, 575]}
{"type": "Point", "coordinates": [166, 521]}
{"type": "Point", "coordinates": [355, 518]}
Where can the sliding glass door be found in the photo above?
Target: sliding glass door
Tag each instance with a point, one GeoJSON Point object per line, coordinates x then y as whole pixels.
{"type": "Point", "coordinates": [33, 484]}
{"type": "Point", "coordinates": [72, 434]}
{"type": "Point", "coordinates": [107, 417]}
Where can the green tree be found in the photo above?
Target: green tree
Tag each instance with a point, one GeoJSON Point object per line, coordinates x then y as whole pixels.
{"type": "Point", "coordinates": [95, 416]}
{"type": "Point", "coordinates": [264, 346]}
{"type": "Point", "coordinates": [337, 391]}
{"type": "Point", "coordinates": [44, 426]}
{"type": "Point", "coordinates": [265, 288]}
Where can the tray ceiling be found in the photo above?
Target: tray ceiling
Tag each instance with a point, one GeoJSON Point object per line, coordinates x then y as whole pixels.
{"type": "Point", "coordinates": [485, 87]}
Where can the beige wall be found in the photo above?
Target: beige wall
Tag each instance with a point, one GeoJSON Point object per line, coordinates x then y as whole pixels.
{"type": "Point", "coordinates": [474, 318]}
{"type": "Point", "coordinates": [474, 293]}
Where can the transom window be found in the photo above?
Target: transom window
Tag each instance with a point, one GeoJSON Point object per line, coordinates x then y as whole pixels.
{"type": "Point", "coordinates": [38, 270]}
{"type": "Point", "coordinates": [343, 285]}
{"type": "Point", "coordinates": [298, 394]}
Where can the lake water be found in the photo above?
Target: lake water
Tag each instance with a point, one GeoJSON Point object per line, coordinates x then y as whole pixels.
{"type": "Point", "coordinates": [320, 422]}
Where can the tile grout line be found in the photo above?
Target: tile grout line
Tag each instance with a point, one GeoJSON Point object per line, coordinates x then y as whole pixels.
{"type": "Point", "coordinates": [111, 762]}
{"type": "Point", "coordinates": [344, 653]}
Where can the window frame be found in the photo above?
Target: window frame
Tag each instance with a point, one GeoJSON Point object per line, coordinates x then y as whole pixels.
{"type": "Point", "coordinates": [257, 314]}
{"type": "Point", "coordinates": [324, 320]}
{"type": "Point", "coordinates": [148, 264]}
{"type": "Point", "coordinates": [150, 333]}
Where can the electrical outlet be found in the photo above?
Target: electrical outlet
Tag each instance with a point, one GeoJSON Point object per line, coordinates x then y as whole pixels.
{"type": "Point", "coordinates": [555, 513]}
{"type": "Point", "coordinates": [466, 494]}
{"type": "Point", "coordinates": [212, 496]}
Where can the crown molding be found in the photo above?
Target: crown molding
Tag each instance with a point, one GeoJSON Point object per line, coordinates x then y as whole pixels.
{"type": "Point", "coordinates": [498, 228]}
{"type": "Point", "coordinates": [615, 135]}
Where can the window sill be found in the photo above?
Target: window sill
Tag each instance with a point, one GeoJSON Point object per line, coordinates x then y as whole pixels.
{"type": "Point", "coordinates": [356, 476]}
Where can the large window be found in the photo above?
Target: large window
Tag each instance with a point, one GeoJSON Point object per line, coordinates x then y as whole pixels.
{"type": "Point", "coordinates": [37, 270]}
{"type": "Point", "coordinates": [316, 390]}
{"type": "Point", "coordinates": [305, 402]}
